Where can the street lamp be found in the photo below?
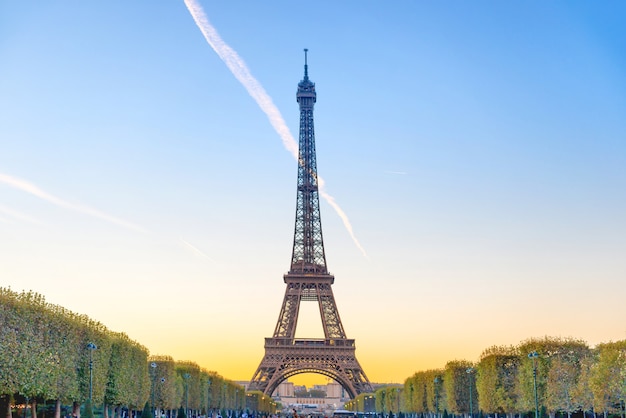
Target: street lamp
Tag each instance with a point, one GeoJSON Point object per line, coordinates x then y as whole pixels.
{"type": "Point", "coordinates": [186, 376]}
{"type": "Point", "coordinates": [236, 401]}
{"type": "Point", "coordinates": [469, 372]}
{"type": "Point", "coordinates": [208, 401]}
{"type": "Point", "coordinates": [91, 347]}
{"type": "Point", "coordinates": [533, 355]}
{"type": "Point", "coordinates": [398, 401]}
{"type": "Point", "coordinates": [158, 411]}
{"type": "Point", "coordinates": [153, 365]}
{"type": "Point", "coordinates": [436, 383]}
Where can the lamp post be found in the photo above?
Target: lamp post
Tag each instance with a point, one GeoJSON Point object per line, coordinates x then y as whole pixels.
{"type": "Point", "coordinates": [533, 355]}
{"type": "Point", "coordinates": [91, 347]}
{"type": "Point", "coordinates": [162, 380]}
{"type": "Point", "coordinates": [397, 401]}
{"type": "Point", "coordinates": [236, 402]}
{"type": "Point", "coordinates": [208, 400]}
{"type": "Point", "coordinates": [436, 383]}
{"type": "Point", "coordinates": [153, 365]}
{"type": "Point", "coordinates": [469, 371]}
{"type": "Point", "coordinates": [186, 376]}
{"type": "Point", "coordinates": [623, 405]}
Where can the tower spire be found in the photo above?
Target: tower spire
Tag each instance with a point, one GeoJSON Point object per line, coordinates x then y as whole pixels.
{"type": "Point", "coordinates": [306, 67]}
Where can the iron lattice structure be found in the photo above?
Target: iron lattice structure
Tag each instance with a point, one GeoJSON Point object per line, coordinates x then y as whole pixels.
{"type": "Point", "coordinates": [308, 280]}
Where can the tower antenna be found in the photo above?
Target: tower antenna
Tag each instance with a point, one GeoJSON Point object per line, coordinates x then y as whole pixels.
{"type": "Point", "coordinates": [306, 67]}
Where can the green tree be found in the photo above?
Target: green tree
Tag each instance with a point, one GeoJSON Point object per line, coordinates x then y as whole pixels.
{"type": "Point", "coordinates": [409, 395]}
{"type": "Point", "coordinates": [582, 394]}
{"type": "Point", "coordinates": [381, 400]}
{"type": "Point", "coordinates": [557, 370]}
{"type": "Point", "coordinates": [11, 349]}
{"type": "Point", "coordinates": [163, 381]}
{"type": "Point", "coordinates": [127, 373]}
{"type": "Point", "coordinates": [417, 396]}
{"type": "Point", "coordinates": [529, 368]}
{"type": "Point", "coordinates": [63, 335]}
{"type": "Point", "coordinates": [434, 392]}
{"type": "Point", "coordinates": [495, 381]}
{"type": "Point", "coordinates": [421, 394]}
{"type": "Point", "coordinates": [459, 385]}
{"type": "Point", "coordinates": [563, 375]}
{"type": "Point", "coordinates": [190, 375]}
{"type": "Point", "coordinates": [608, 376]}
{"type": "Point", "coordinates": [44, 355]}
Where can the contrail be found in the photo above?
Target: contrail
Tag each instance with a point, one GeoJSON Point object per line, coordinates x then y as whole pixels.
{"type": "Point", "coordinates": [28, 187]}
{"type": "Point", "coordinates": [195, 250]}
{"type": "Point", "coordinates": [240, 70]}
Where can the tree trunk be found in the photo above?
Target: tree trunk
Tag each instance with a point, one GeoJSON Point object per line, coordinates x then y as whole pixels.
{"type": "Point", "coordinates": [76, 409]}
{"type": "Point", "coordinates": [57, 408]}
{"type": "Point", "coordinates": [33, 409]}
{"type": "Point", "coordinates": [5, 405]}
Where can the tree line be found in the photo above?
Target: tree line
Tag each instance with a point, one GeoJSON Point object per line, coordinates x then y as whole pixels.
{"type": "Point", "coordinates": [50, 356]}
{"type": "Point", "coordinates": [547, 376]}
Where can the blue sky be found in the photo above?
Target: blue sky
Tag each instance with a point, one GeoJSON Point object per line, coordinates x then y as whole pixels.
{"type": "Point", "coordinates": [478, 149]}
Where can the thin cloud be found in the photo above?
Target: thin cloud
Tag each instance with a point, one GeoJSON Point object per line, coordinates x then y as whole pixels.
{"type": "Point", "coordinates": [31, 188]}
{"type": "Point", "coordinates": [398, 173]}
{"type": "Point", "coordinates": [18, 215]}
{"type": "Point", "coordinates": [240, 70]}
{"type": "Point", "coordinates": [195, 250]}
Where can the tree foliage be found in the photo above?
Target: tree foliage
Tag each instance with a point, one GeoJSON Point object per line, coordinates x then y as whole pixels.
{"type": "Point", "coordinates": [45, 355]}
{"type": "Point", "coordinates": [459, 379]}
{"type": "Point", "coordinates": [570, 377]}
{"type": "Point", "coordinates": [496, 377]}
{"type": "Point", "coordinates": [127, 373]}
{"type": "Point", "coordinates": [424, 392]}
{"type": "Point", "coordinates": [607, 378]}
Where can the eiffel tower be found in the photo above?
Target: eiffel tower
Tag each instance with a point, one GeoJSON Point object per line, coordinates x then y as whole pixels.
{"type": "Point", "coordinates": [308, 280]}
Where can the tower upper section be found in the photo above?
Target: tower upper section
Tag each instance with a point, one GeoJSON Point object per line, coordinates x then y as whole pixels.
{"type": "Point", "coordinates": [306, 95]}
{"type": "Point", "coordinates": [308, 255]}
